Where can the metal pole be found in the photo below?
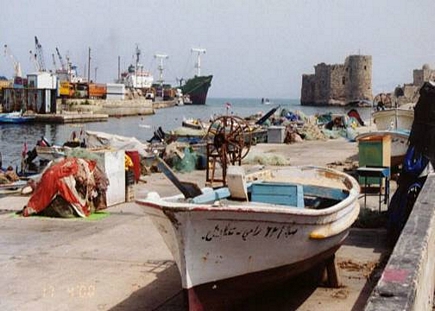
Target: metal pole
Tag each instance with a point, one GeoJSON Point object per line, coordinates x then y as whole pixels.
{"type": "Point", "coordinates": [119, 68]}
{"type": "Point", "coordinates": [89, 65]}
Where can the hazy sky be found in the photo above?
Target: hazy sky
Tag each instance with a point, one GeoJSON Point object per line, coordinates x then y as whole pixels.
{"type": "Point", "coordinates": [254, 48]}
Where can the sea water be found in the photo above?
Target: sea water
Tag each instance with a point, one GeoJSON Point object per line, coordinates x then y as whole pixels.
{"type": "Point", "coordinates": [13, 137]}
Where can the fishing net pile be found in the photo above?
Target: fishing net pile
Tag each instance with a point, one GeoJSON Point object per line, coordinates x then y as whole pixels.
{"type": "Point", "coordinates": [311, 131]}
{"type": "Point", "coordinates": [266, 159]}
{"type": "Point", "coordinates": [72, 187]}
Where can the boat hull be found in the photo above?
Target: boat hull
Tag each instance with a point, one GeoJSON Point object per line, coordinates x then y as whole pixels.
{"type": "Point", "coordinates": [393, 119]}
{"type": "Point", "coordinates": [15, 118]}
{"type": "Point", "coordinates": [197, 89]}
{"type": "Point", "coordinates": [225, 294]}
{"type": "Point", "coordinates": [50, 153]}
{"type": "Point", "coordinates": [220, 244]}
{"type": "Point", "coordinates": [211, 245]}
{"type": "Point", "coordinates": [195, 124]}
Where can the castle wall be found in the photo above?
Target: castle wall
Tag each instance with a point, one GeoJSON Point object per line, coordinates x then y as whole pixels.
{"type": "Point", "coordinates": [409, 93]}
{"type": "Point", "coordinates": [322, 88]}
{"type": "Point", "coordinates": [422, 75]}
{"type": "Point", "coordinates": [339, 83]}
{"type": "Point", "coordinates": [307, 90]}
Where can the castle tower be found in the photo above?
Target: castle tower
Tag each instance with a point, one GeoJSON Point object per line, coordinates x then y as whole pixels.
{"type": "Point", "coordinates": [422, 75]}
{"type": "Point", "coordinates": [358, 77]}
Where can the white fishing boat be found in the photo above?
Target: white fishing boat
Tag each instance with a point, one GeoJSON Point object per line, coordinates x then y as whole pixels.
{"type": "Point", "coordinates": [16, 117]}
{"type": "Point", "coordinates": [263, 228]}
{"type": "Point", "coordinates": [399, 142]}
{"type": "Point", "coordinates": [16, 185]}
{"type": "Point", "coordinates": [393, 119]}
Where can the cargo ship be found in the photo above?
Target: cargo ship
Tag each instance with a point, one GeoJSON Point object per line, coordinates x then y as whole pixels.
{"type": "Point", "coordinates": [195, 89]}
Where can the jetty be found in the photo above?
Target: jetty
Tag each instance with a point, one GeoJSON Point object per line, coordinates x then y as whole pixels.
{"type": "Point", "coordinates": [100, 110]}
{"type": "Point", "coordinates": [71, 118]}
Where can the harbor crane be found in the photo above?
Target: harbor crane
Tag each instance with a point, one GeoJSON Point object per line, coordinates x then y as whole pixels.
{"type": "Point", "coordinates": [15, 63]}
{"type": "Point", "coordinates": [38, 56]}
{"type": "Point", "coordinates": [54, 62]}
{"type": "Point", "coordinates": [62, 63]}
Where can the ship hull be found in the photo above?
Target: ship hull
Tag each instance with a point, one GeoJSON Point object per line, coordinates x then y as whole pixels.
{"type": "Point", "coordinates": [197, 89]}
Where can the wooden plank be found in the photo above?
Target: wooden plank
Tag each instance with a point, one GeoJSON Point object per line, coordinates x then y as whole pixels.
{"type": "Point", "coordinates": [333, 277]}
{"type": "Point", "coordinates": [325, 192]}
{"type": "Point", "coordinates": [278, 193]}
{"type": "Point", "coordinates": [236, 182]}
{"type": "Point", "coordinates": [189, 190]}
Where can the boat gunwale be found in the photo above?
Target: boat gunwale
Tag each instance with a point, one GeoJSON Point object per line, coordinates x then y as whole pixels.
{"type": "Point", "coordinates": [402, 133]}
{"type": "Point", "coordinates": [392, 112]}
{"type": "Point", "coordinates": [153, 200]}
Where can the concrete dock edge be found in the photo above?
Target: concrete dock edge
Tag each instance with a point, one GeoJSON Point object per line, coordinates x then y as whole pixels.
{"type": "Point", "coordinates": [407, 282]}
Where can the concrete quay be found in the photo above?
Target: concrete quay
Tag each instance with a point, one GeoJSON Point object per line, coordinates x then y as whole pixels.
{"type": "Point", "coordinates": [112, 107]}
{"type": "Point", "coordinates": [83, 111]}
{"type": "Point", "coordinates": [71, 118]}
{"type": "Point", "coordinates": [407, 282]}
{"type": "Point", "coordinates": [120, 262]}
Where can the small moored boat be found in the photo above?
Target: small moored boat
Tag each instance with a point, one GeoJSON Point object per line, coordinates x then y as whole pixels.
{"type": "Point", "coordinates": [262, 228]}
{"type": "Point", "coordinates": [192, 123]}
{"type": "Point", "coordinates": [16, 117]}
{"type": "Point", "coordinates": [391, 119]}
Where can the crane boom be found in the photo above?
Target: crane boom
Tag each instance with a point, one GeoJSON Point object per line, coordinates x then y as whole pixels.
{"type": "Point", "coordinates": [62, 64]}
{"type": "Point", "coordinates": [54, 62]}
{"type": "Point", "coordinates": [39, 54]}
{"type": "Point", "coordinates": [15, 63]}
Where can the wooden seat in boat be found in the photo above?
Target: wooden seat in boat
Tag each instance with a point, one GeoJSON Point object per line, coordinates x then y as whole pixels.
{"type": "Point", "coordinates": [278, 193]}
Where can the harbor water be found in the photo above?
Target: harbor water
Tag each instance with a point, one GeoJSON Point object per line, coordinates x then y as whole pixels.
{"type": "Point", "coordinates": [15, 136]}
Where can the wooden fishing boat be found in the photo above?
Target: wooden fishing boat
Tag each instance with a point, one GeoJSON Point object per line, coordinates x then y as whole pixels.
{"type": "Point", "coordinates": [390, 119]}
{"type": "Point", "coordinates": [12, 187]}
{"type": "Point", "coordinates": [262, 228]}
{"type": "Point", "coordinates": [399, 142]}
{"type": "Point", "coordinates": [193, 123]}
{"type": "Point", "coordinates": [50, 153]}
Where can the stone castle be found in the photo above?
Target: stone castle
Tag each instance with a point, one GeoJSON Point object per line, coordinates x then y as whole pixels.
{"type": "Point", "coordinates": [339, 84]}
{"type": "Point", "coordinates": [409, 92]}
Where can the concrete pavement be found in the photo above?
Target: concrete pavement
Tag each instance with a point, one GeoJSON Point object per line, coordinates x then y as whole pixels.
{"type": "Point", "coordinates": [121, 263]}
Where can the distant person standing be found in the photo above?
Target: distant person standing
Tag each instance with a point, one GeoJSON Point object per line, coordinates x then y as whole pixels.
{"type": "Point", "coordinates": [380, 106]}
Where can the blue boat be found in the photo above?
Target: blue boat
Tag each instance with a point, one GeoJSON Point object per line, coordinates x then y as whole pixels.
{"type": "Point", "coordinates": [16, 117]}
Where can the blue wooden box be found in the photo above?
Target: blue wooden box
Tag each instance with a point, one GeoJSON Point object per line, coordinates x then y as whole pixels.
{"type": "Point", "coordinates": [278, 193]}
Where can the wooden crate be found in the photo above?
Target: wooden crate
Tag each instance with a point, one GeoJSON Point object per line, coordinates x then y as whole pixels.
{"type": "Point", "coordinates": [129, 193]}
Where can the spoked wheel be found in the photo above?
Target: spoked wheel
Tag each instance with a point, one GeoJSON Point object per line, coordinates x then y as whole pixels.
{"type": "Point", "coordinates": [229, 140]}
